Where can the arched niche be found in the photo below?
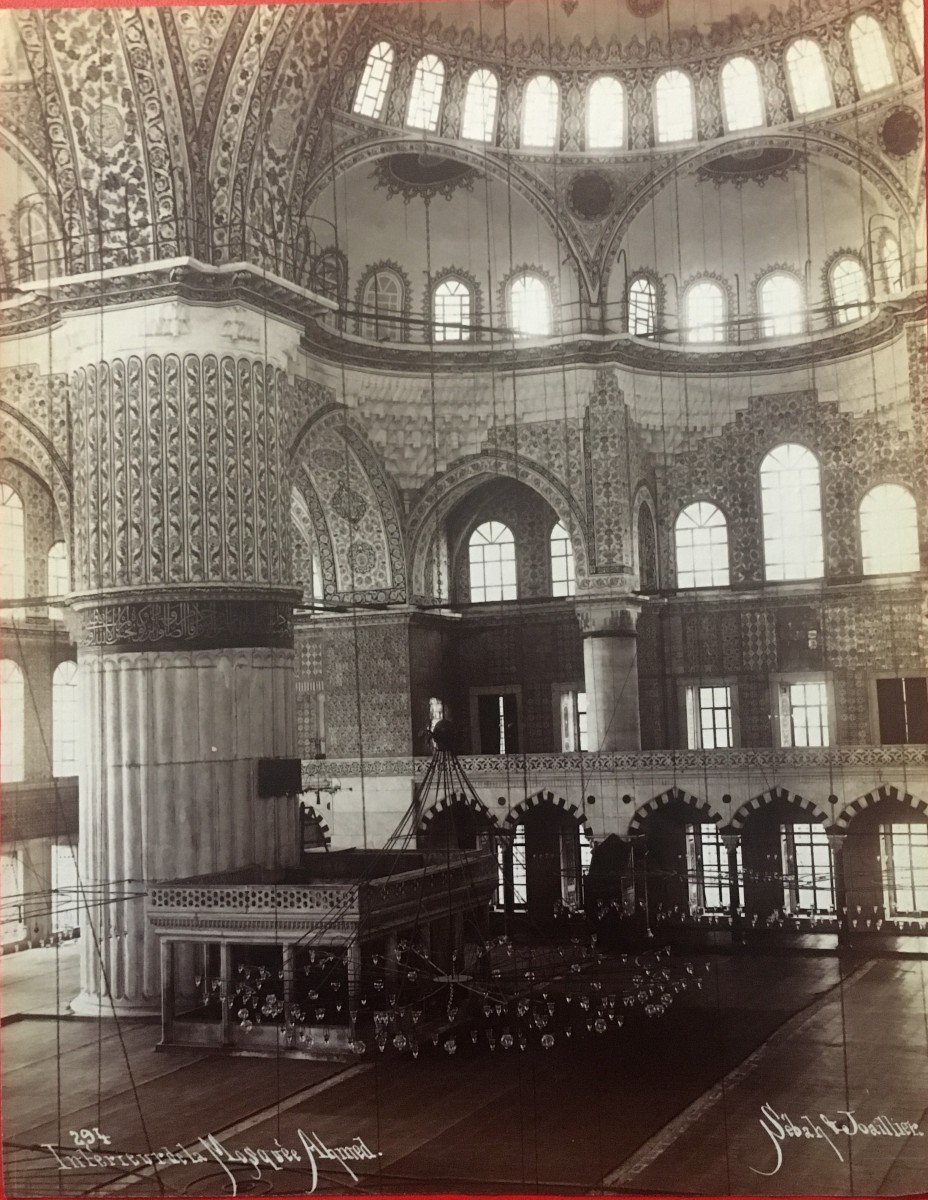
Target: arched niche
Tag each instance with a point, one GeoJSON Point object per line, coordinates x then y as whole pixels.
{"type": "Point", "coordinates": [353, 509]}
{"type": "Point", "coordinates": [427, 526]}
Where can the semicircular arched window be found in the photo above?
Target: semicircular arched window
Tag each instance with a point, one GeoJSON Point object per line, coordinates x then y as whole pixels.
{"type": "Point", "coordinates": [383, 301]}
{"type": "Point", "coordinates": [530, 306]}
{"type": "Point", "coordinates": [890, 261]}
{"type": "Point", "coordinates": [375, 79]}
{"type": "Point", "coordinates": [781, 306]}
{"type": "Point", "coordinates": [12, 728]}
{"type": "Point", "coordinates": [492, 561]}
{"type": "Point", "coordinates": [540, 112]}
{"type": "Point", "coordinates": [563, 575]}
{"type": "Point", "coordinates": [12, 544]}
{"type": "Point", "coordinates": [451, 311]}
{"type": "Point", "coordinates": [674, 108]}
{"type": "Point", "coordinates": [850, 292]}
{"type": "Point", "coordinates": [807, 73]}
{"type": "Point", "coordinates": [605, 114]}
{"type": "Point", "coordinates": [425, 94]}
{"type": "Point", "coordinates": [642, 307]}
{"type": "Point", "coordinates": [742, 95]}
{"type": "Point", "coordinates": [870, 54]}
{"type": "Point", "coordinates": [704, 310]}
{"type": "Point", "coordinates": [888, 530]}
{"type": "Point", "coordinates": [701, 546]}
{"type": "Point", "coordinates": [64, 719]}
{"type": "Point", "coordinates": [791, 505]}
{"type": "Point", "coordinates": [480, 100]}
{"type": "Point", "coordinates": [59, 575]}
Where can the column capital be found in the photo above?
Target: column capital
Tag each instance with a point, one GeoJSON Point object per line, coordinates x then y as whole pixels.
{"type": "Point", "coordinates": [609, 616]}
{"type": "Point", "coordinates": [731, 841]}
{"type": "Point", "coordinates": [836, 839]}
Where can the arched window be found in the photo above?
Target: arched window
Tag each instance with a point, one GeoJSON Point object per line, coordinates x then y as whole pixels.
{"type": "Point", "coordinates": [742, 95]}
{"type": "Point", "coordinates": [540, 106]}
{"type": "Point", "coordinates": [492, 553]}
{"type": "Point", "coordinates": [12, 724]}
{"type": "Point", "coordinates": [870, 54]}
{"type": "Point", "coordinates": [59, 575]}
{"type": "Point", "coordinates": [605, 114]}
{"type": "Point", "coordinates": [705, 312]}
{"type": "Point", "coordinates": [529, 306]}
{"type": "Point", "coordinates": [383, 300]}
{"type": "Point", "coordinates": [64, 719]}
{"type": "Point", "coordinates": [425, 95]}
{"type": "Point", "coordinates": [451, 311]}
{"type": "Point", "coordinates": [914, 13]}
{"type": "Point", "coordinates": [781, 305]}
{"type": "Point", "coordinates": [12, 545]}
{"type": "Point", "coordinates": [372, 90]}
{"type": "Point", "coordinates": [479, 121]}
{"type": "Point", "coordinates": [563, 577]}
{"type": "Point", "coordinates": [850, 294]}
{"type": "Point", "coordinates": [318, 585]}
{"type": "Point", "coordinates": [642, 307]}
{"type": "Point", "coordinates": [701, 543]}
{"type": "Point", "coordinates": [674, 108]}
{"type": "Point", "coordinates": [808, 77]}
{"type": "Point", "coordinates": [888, 530]}
{"type": "Point", "coordinates": [890, 261]}
{"type": "Point", "coordinates": [791, 502]}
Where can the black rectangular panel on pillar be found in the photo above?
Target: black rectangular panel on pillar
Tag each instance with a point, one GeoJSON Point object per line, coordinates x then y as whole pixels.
{"type": "Point", "coordinates": [279, 777]}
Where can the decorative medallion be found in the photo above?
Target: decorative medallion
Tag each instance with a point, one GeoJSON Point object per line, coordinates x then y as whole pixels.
{"type": "Point", "coordinates": [644, 8]}
{"type": "Point", "coordinates": [590, 195]}
{"type": "Point", "coordinates": [349, 504]}
{"type": "Point", "coordinates": [422, 175]}
{"type": "Point", "coordinates": [756, 165]}
{"type": "Point", "coordinates": [106, 127]}
{"type": "Point", "coordinates": [901, 132]}
{"type": "Point", "coordinates": [363, 558]}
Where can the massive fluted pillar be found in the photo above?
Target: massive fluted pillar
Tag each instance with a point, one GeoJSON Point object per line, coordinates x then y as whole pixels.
{"type": "Point", "coordinates": [183, 616]}
{"type": "Point", "coordinates": [610, 669]}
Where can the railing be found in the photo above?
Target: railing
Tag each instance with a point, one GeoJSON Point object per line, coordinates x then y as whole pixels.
{"type": "Point", "coordinates": [253, 898]}
{"type": "Point", "coordinates": [298, 258]}
{"type": "Point", "coordinates": [623, 762]}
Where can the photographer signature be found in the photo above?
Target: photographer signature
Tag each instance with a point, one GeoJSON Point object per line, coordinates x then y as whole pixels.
{"type": "Point", "coordinates": [780, 1127]}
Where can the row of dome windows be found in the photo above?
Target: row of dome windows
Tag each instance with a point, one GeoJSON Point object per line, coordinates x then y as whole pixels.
{"type": "Point", "coordinates": [793, 545]}
{"type": "Point", "coordinates": [674, 102]}
{"type": "Point", "coordinates": [781, 302]}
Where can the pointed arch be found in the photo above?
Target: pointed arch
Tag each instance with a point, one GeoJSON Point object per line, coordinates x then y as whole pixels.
{"type": "Point", "coordinates": [443, 803]}
{"type": "Point", "coordinates": [311, 819]}
{"type": "Point", "coordinates": [443, 493]}
{"type": "Point", "coordinates": [749, 807]}
{"type": "Point", "coordinates": [543, 797]}
{"type": "Point", "coordinates": [885, 791]}
{"type": "Point", "coordinates": [347, 488]}
{"type": "Point", "coordinates": [673, 795]}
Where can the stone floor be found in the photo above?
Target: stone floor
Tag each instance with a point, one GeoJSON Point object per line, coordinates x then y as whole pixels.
{"type": "Point", "coordinates": [678, 1110]}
